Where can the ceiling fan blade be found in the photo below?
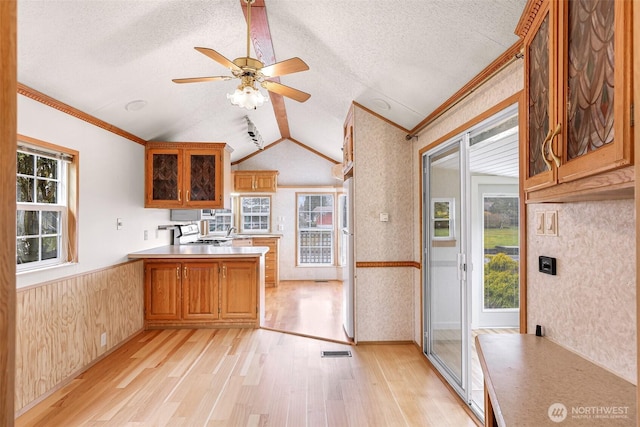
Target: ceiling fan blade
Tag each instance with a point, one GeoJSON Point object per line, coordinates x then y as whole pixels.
{"type": "Point", "coordinates": [287, 91]}
{"type": "Point", "coordinates": [201, 79]}
{"type": "Point", "coordinates": [218, 58]}
{"type": "Point", "coordinates": [293, 65]}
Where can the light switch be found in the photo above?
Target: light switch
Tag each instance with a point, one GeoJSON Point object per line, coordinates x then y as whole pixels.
{"type": "Point", "coordinates": [539, 223]}
{"type": "Point", "coordinates": [551, 223]}
{"type": "Point", "coordinates": [384, 217]}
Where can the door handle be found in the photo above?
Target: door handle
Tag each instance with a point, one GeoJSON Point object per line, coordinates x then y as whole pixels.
{"type": "Point", "coordinates": [462, 266]}
{"type": "Point", "coordinates": [544, 155]}
{"type": "Point", "coordinates": [178, 273]}
{"type": "Point", "coordinates": [556, 132]}
{"type": "Point", "coordinates": [224, 271]}
{"type": "Point", "coordinates": [185, 272]}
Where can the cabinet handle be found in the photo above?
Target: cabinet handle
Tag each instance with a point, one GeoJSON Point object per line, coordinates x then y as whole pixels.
{"type": "Point", "coordinates": [544, 155]}
{"type": "Point", "coordinates": [178, 273]}
{"type": "Point", "coordinates": [188, 199]}
{"type": "Point", "coordinates": [556, 132]}
{"type": "Point", "coordinates": [185, 272]}
{"type": "Point", "coordinates": [179, 195]}
{"type": "Point", "coordinates": [224, 271]}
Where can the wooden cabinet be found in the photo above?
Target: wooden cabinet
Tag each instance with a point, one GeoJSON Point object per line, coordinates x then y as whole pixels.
{"type": "Point", "coordinates": [271, 260]}
{"type": "Point", "coordinates": [347, 145]}
{"type": "Point", "coordinates": [255, 181]}
{"type": "Point", "coordinates": [239, 298]}
{"type": "Point", "coordinates": [200, 300]}
{"type": "Point", "coordinates": [196, 292]}
{"type": "Point", "coordinates": [162, 290]}
{"type": "Point", "coordinates": [576, 113]}
{"type": "Point", "coordinates": [187, 175]}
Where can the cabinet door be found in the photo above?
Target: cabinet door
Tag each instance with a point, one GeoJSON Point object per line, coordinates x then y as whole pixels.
{"type": "Point", "coordinates": [200, 291]}
{"type": "Point", "coordinates": [271, 276]}
{"type": "Point", "coordinates": [239, 290]}
{"type": "Point", "coordinates": [203, 176]}
{"type": "Point", "coordinates": [347, 145]}
{"type": "Point", "coordinates": [243, 182]}
{"type": "Point", "coordinates": [163, 177]}
{"type": "Point", "coordinates": [265, 182]}
{"type": "Point", "coordinates": [537, 107]}
{"type": "Point", "coordinates": [162, 291]}
{"type": "Point", "coordinates": [595, 70]}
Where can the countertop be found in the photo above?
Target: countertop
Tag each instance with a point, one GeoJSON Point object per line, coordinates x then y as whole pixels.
{"type": "Point", "coordinates": [200, 251]}
{"type": "Point", "coordinates": [531, 379]}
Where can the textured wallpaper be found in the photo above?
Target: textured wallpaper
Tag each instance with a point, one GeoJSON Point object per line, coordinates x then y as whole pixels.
{"type": "Point", "coordinates": [384, 296]}
{"type": "Point", "coordinates": [590, 305]}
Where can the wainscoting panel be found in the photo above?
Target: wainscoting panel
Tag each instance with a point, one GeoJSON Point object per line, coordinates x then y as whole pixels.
{"type": "Point", "coordinates": [59, 326]}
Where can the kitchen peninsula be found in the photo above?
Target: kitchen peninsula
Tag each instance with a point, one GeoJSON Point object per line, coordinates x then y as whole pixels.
{"type": "Point", "coordinates": [203, 286]}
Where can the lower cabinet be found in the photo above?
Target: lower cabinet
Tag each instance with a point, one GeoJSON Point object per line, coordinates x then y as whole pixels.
{"type": "Point", "coordinates": [210, 293]}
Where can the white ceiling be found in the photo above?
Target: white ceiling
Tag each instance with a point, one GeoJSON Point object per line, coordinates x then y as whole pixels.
{"type": "Point", "coordinates": [409, 55]}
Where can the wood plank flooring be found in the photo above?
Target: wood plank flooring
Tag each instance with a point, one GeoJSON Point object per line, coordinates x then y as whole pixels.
{"type": "Point", "coordinates": [307, 308]}
{"type": "Point", "coordinates": [251, 377]}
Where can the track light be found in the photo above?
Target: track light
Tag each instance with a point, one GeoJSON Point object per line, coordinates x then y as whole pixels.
{"type": "Point", "coordinates": [255, 136]}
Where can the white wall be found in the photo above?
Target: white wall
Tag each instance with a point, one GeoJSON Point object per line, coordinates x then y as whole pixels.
{"type": "Point", "coordinates": [111, 185]}
{"type": "Point", "coordinates": [300, 171]}
{"type": "Point", "coordinates": [296, 164]}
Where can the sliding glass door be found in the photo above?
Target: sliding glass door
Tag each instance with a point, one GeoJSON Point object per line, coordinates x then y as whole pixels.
{"type": "Point", "coordinates": [445, 262]}
{"type": "Point", "coordinates": [471, 213]}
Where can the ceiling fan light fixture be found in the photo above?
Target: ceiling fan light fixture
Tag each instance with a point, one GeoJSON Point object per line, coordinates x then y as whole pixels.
{"type": "Point", "coordinates": [248, 97]}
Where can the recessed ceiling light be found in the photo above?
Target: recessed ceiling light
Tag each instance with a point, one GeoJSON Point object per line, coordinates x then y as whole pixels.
{"type": "Point", "coordinates": [381, 104]}
{"type": "Point", "coordinates": [136, 105]}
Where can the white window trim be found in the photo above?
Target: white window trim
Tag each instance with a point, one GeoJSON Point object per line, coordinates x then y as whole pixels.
{"type": "Point", "coordinates": [67, 203]}
{"type": "Point", "coordinates": [331, 231]}
{"type": "Point", "coordinates": [262, 214]}
{"type": "Point", "coordinates": [451, 219]}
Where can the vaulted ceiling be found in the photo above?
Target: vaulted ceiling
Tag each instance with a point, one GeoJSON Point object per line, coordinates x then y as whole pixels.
{"type": "Point", "coordinates": [398, 58]}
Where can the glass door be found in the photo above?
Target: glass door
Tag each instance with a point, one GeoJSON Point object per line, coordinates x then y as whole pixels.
{"type": "Point", "coordinates": [445, 271]}
{"type": "Point", "coordinates": [471, 213]}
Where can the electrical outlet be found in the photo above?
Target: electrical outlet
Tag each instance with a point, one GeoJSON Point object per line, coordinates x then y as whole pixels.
{"type": "Point", "coordinates": [146, 234]}
{"type": "Point", "coordinates": [103, 339]}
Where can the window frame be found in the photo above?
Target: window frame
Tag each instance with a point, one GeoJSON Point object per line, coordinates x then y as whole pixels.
{"type": "Point", "coordinates": [242, 214]}
{"type": "Point", "coordinates": [329, 231]}
{"type": "Point", "coordinates": [68, 208]}
{"type": "Point", "coordinates": [450, 219]}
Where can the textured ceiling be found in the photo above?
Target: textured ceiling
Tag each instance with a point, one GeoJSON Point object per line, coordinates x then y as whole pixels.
{"type": "Point", "coordinates": [400, 58]}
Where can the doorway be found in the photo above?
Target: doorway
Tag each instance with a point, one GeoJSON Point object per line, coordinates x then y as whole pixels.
{"type": "Point", "coordinates": [471, 212]}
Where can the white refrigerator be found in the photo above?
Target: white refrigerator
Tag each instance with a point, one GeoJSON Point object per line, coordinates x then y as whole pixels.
{"type": "Point", "coordinates": [348, 272]}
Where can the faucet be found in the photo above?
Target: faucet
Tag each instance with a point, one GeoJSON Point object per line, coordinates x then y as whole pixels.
{"type": "Point", "coordinates": [230, 230]}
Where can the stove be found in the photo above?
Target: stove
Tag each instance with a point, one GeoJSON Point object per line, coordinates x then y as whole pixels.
{"type": "Point", "coordinates": [189, 234]}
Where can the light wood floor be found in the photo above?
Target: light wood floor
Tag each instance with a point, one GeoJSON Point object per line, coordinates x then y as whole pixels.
{"type": "Point", "coordinates": [251, 377]}
{"type": "Point", "coordinates": [306, 307]}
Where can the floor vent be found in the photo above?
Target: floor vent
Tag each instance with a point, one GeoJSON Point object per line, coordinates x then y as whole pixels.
{"type": "Point", "coordinates": [341, 353]}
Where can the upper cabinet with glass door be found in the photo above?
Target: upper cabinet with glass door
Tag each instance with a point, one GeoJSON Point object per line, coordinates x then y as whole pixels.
{"type": "Point", "coordinates": [187, 175]}
{"type": "Point", "coordinates": [577, 109]}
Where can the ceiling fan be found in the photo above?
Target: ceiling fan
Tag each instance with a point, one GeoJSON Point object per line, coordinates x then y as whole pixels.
{"type": "Point", "coordinates": [251, 71]}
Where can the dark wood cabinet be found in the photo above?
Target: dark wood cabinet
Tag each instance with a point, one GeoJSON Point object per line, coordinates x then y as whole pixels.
{"type": "Point", "coordinates": [187, 175]}
{"type": "Point", "coordinates": [577, 100]}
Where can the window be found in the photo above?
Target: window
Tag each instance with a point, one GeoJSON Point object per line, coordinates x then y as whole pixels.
{"type": "Point", "coordinates": [315, 229]}
{"type": "Point", "coordinates": [45, 222]}
{"type": "Point", "coordinates": [255, 214]}
{"type": "Point", "coordinates": [443, 220]}
{"type": "Point", "coordinates": [220, 220]}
